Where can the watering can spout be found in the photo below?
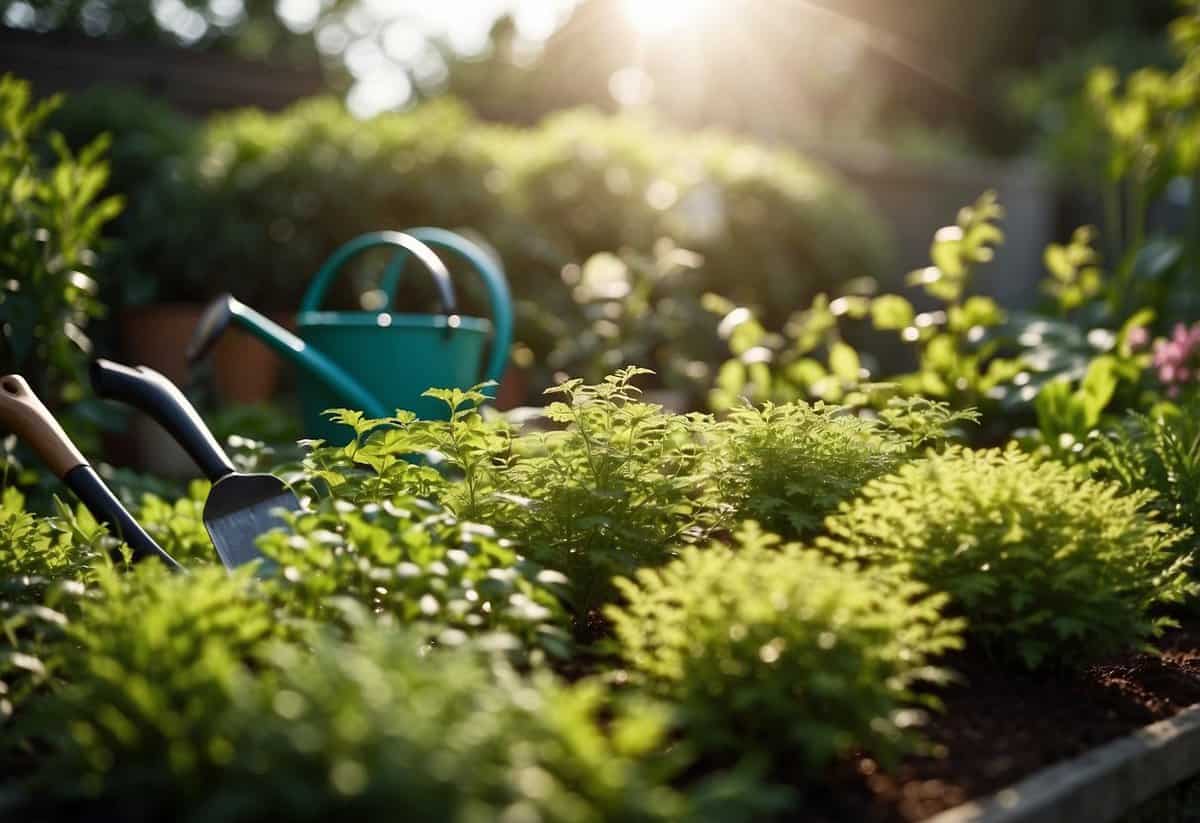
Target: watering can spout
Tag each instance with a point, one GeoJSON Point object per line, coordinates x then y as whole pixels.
{"type": "Point", "coordinates": [227, 310]}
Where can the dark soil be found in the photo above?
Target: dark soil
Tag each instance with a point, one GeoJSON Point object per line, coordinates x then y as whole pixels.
{"type": "Point", "coordinates": [999, 727]}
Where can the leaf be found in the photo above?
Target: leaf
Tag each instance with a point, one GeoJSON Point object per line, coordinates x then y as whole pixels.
{"type": "Point", "coordinates": [891, 312]}
{"type": "Point", "coordinates": [844, 362]}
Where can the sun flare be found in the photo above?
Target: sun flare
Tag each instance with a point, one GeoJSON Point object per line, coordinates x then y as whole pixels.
{"type": "Point", "coordinates": [663, 16]}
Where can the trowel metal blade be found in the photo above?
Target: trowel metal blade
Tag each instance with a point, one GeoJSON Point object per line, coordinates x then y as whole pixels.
{"type": "Point", "coordinates": [241, 507]}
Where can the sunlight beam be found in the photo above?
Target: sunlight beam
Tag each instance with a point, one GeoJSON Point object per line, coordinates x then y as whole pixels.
{"type": "Point", "coordinates": [657, 17]}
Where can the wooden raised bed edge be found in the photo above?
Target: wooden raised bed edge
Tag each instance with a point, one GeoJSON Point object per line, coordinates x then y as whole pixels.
{"type": "Point", "coordinates": [1100, 786]}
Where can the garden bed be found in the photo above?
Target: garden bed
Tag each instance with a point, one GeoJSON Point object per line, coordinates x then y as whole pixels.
{"type": "Point", "coordinates": [1000, 727]}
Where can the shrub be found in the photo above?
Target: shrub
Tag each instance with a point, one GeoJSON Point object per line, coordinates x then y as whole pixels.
{"type": "Point", "coordinates": [616, 489]}
{"type": "Point", "coordinates": [51, 214]}
{"type": "Point", "coordinates": [1047, 566]}
{"type": "Point", "coordinates": [161, 721]}
{"type": "Point", "coordinates": [773, 227]}
{"type": "Point", "coordinates": [787, 466]}
{"type": "Point", "coordinates": [778, 645]}
{"type": "Point", "coordinates": [418, 565]}
{"type": "Point", "coordinates": [146, 670]}
{"type": "Point", "coordinates": [259, 200]}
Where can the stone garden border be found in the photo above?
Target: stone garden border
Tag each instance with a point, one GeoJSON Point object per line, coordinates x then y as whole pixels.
{"type": "Point", "coordinates": [1100, 786]}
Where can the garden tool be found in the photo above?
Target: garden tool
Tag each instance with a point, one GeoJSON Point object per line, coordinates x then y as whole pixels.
{"type": "Point", "coordinates": [378, 362]}
{"type": "Point", "coordinates": [240, 507]}
{"type": "Point", "coordinates": [25, 415]}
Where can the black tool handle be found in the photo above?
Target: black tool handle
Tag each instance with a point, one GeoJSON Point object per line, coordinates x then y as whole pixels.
{"type": "Point", "coordinates": [29, 419]}
{"type": "Point", "coordinates": [151, 392]}
{"type": "Point", "coordinates": [217, 317]}
{"type": "Point", "coordinates": [94, 493]}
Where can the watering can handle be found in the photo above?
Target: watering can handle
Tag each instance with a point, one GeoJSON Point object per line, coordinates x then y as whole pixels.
{"type": "Point", "coordinates": [493, 279]}
{"type": "Point", "coordinates": [432, 263]}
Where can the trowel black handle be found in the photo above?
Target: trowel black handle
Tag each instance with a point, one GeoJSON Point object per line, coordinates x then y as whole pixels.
{"type": "Point", "coordinates": [149, 391]}
{"type": "Point", "coordinates": [22, 412]}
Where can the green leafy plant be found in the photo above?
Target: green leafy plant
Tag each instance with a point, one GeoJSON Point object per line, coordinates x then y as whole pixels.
{"type": "Point", "coordinates": [617, 487]}
{"type": "Point", "coordinates": [162, 718]}
{"type": "Point", "coordinates": [51, 215]}
{"type": "Point", "coordinates": [615, 491]}
{"type": "Point", "coordinates": [779, 645]}
{"type": "Point", "coordinates": [1127, 126]}
{"type": "Point", "coordinates": [1049, 567]}
{"type": "Point", "coordinates": [1159, 451]}
{"type": "Point", "coordinates": [957, 361]}
{"type": "Point", "coordinates": [788, 466]}
{"type": "Point", "coordinates": [418, 565]}
{"type": "Point", "coordinates": [144, 676]}
{"type": "Point", "coordinates": [42, 563]}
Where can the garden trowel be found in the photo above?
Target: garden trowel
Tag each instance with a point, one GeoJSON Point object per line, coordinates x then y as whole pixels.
{"type": "Point", "coordinates": [240, 507]}
{"type": "Point", "coordinates": [24, 414]}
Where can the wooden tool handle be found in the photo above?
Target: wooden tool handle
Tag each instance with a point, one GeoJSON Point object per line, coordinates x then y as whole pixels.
{"type": "Point", "coordinates": [23, 413]}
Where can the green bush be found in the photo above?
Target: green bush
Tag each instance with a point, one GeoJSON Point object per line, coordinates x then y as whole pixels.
{"type": "Point", "coordinates": [619, 484]}
{"type": "Point", "coordinates": [772, 227]}
{"type": "Point", "coordinates": [787, 466]}
{"type": "Point", "coordinates": [777, 645]}
{"type": "Point", "coordinates": [421, 567]}
{"type": "Point", "coordinates": [162, 718]}
{"type": "Point", "coordinates": [51, 215]}
{"type": "Point", "coordinates": [145, 670]}
{"type": "Point", "coordinates": [257, 201]}
{"type": "Point", "coordinates": [616, 488]}
{"type": "Point", "coordinates": [1048, 567]}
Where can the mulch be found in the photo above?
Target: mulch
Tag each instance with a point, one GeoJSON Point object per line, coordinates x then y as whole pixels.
{"type": "Point", "coordinates": [999, 727]}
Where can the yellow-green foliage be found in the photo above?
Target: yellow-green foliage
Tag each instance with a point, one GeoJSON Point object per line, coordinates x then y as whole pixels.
{"type": "Point", "coordinates": [787, 466]}
{"type": "Point", "coordinates": [780, 646]}
{"type": "Point", "coordinates": [622, 483]}
{"type": "Point", "coordinates": [416, 565]}
{"type": "Point", "coordinates": [1048, 567]}
{"type": "Point", "coordinates": [146, 670]}
{"type": "Point", "coordinates": [163, 719]}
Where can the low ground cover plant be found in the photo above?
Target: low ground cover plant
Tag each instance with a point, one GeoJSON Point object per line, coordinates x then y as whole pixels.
{"type": "Point", "coordinates": [779, 645]}
{"type": "Point", "coordinates": [1050, 567]}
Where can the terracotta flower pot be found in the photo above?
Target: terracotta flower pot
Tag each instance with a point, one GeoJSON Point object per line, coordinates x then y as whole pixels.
{"type": "Point", "coordinates": [245, 371]}
{"type": "Point", "coordinates": [513, 390]}
{"type": "Point", "coordinates": [157, 336]}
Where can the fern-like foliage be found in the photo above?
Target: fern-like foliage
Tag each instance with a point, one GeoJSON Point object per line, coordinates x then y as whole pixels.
{"type": "Point", "coordinates": [1160, 453]}
{"type": "Point", "coordinates": [787, 466]}
{"type": "Point", "coordinates": [779, 645]}
{"type": "Point", "coordinates": [1049, 567]}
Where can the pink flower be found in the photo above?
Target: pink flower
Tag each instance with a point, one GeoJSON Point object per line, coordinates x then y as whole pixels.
{"type": "Point", "coordinates": [1138, 338]}
{"type": "Point", "coordinates": [1177, 359]}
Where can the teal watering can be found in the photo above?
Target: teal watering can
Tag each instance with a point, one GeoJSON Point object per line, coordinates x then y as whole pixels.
{"type": "Point", "coordinates": [380, 361]}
